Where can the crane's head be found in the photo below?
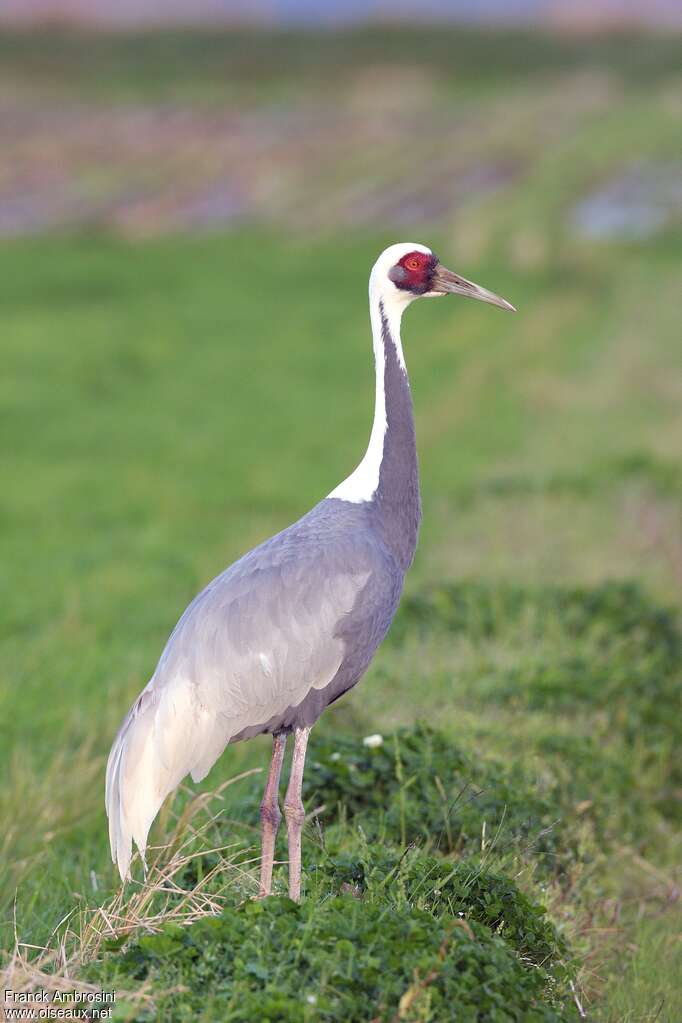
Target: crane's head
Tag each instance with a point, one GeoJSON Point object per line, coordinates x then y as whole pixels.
{"type": "Point", "coordinates": [407, 271]}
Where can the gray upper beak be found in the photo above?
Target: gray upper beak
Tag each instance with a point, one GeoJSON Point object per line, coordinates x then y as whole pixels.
{"type": "Point", "coordinates": [445, 282]}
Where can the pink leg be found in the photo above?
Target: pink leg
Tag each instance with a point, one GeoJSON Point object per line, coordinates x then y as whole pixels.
{"type": "Point", "coordinates": [294, 812]}
{"type": "Point", "coordinates": [270, 815]}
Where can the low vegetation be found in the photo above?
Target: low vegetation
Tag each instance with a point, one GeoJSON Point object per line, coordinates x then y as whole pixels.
{"type": "Point", "coordinates": [433, 874]}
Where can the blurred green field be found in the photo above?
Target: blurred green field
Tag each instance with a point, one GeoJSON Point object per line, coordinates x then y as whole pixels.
{"type": "Point", "coordinates": [167, 403]}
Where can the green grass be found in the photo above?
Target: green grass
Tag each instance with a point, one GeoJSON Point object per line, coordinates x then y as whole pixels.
{"type": "Point", "coordinates": [165, 405]}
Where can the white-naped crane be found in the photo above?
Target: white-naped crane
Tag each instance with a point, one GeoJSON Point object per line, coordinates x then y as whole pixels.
{"type": "Point", "coordinates": [293, 624]}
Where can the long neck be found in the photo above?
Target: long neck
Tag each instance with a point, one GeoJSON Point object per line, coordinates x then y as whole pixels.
{"type": "Point", "coordinates": [388, 475]}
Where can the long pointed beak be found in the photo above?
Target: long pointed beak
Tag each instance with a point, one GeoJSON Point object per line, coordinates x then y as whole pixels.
{"type": "Point", "coordinates": [445, 282]}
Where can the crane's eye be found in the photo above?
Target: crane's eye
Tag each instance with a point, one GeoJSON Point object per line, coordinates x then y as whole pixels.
{"type": "Point", "coordinates": [413, 263]}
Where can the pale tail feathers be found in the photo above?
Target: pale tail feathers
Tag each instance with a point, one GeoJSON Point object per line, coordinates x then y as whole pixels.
{"type": "Point", "coordinates": [170, 733]}
{"type": "Point", "coordinates": [166, 736]}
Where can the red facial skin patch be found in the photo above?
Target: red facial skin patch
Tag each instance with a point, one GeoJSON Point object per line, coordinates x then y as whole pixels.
{"type": "Point", "coordinates": [414, 272]}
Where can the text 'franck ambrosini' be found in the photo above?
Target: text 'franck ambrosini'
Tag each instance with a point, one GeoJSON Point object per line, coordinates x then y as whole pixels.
{"type": "Point", "coordinates": [43, 1004]}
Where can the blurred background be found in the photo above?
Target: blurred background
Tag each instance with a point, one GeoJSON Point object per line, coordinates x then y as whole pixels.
{"type": "Point", "coordinates": [191, 197]}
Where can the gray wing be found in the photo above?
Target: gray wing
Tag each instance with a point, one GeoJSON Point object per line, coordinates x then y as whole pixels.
{"type": "Point", "coordinates": [251, 645]}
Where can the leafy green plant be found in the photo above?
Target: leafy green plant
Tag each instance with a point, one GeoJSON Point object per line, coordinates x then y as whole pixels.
{"type": "Point", "coordinates": [344, 959]}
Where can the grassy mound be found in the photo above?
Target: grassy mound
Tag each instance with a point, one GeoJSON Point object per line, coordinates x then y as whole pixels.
{"type": "Point", "coordinates": [386, 930]}
{"type": "Point", "coordinates": [396, 947]}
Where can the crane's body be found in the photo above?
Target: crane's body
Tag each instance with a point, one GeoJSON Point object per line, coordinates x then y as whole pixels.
{"type": "Point", "coordinates": [292, 625]}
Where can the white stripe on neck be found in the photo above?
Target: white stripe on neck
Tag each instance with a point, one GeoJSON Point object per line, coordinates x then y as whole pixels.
{"type": "Point", "coordinates": [362, 483]}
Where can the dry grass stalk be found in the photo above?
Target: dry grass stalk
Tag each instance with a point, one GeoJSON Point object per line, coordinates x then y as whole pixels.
{"type": "Point", "coordinates": [139, 907]}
